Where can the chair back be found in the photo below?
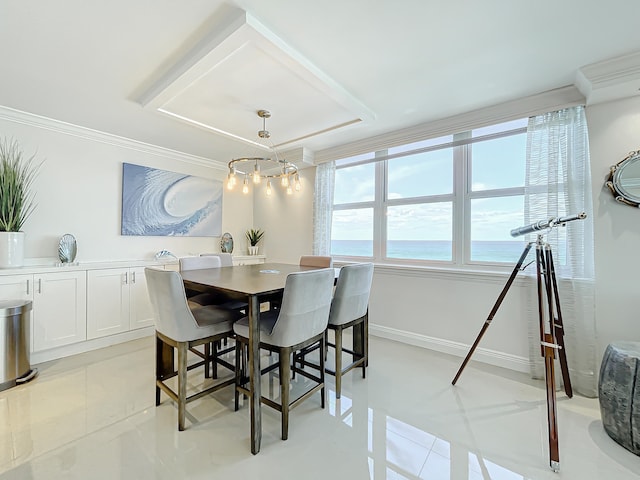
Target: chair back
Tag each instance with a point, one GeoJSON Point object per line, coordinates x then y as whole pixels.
{"type": "Point", "coordinates": [226, 260]}
{"type": "Point", "coordinates": [172, 314]}
{"type": "Point", "coordinates": [199, 263]}
{"type": "Point", "coordinates": [351, 297]}
{"type": "Point", "coordinates": [316, 261]}
{"type": "Point", "coordinates": [304, 312]}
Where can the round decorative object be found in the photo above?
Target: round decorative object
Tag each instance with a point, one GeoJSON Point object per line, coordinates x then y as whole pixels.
{"type": "Point", "coordinates": [624, 180]}
{"type": "Point", "coordinates": [67, 248]}
{"type": "Point", "coordinates": [226, 243]}
{"type": "Point", "coordinates": [618, 387]}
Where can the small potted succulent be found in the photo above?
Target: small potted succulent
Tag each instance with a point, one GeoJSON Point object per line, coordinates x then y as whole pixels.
{"type": "Point", "coordinates": [253, 237]}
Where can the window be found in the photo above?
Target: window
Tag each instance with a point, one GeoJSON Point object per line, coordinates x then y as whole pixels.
{"type": "Point", "coordinates": [450, 200]}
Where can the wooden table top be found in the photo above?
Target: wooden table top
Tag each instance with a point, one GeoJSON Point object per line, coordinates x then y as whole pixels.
{"type": "Point", "coordinates": [258, 279]}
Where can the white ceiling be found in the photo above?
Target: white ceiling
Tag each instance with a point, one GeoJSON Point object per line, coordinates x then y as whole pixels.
{"type": "Point", "coordinates": [190, 75]}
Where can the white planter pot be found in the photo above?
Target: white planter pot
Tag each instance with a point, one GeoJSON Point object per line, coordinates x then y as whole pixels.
{"type": "Point", "coordinates": [11, 249]}
{"type": "Point", "coordinates": [253, 250]}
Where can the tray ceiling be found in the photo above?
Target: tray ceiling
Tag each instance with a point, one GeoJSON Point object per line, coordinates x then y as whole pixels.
{"type": "Point", "coordinates": [241, 67]}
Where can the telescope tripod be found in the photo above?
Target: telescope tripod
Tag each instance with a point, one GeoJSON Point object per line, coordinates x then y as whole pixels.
{"type": "Point", "coordinates": [551, 334]}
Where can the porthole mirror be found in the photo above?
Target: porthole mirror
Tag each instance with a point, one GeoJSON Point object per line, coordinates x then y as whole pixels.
{"type": "Point", "coordinates": [624, 180]}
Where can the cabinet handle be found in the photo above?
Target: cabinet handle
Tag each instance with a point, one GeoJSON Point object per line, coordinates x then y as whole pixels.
{"type": "Point", "coordinates": [39, 285]}
{"type": "Point", "coordinates": [133, 277]}
{"type": "Point", "coordinates": [28, 287]}
{"type": "Point", "coordinates": [126, 278]}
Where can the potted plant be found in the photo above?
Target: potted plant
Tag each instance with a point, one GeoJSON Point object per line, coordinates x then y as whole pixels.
{"type": "Point", "coordinates": [253, 237]}
{"type": "Point", "coordinates": [17, 174]}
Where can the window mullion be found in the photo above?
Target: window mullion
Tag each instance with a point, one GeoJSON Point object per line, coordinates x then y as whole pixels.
{"type": "Point", "coordinates": [379, 209]}
{"type": "Point", "coordinates": [460, 208]}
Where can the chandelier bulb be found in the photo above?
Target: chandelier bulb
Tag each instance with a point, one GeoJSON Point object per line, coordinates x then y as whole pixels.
{"type": "Point", "coordinates": [296, 181]}
{"type": "Point", "coordinates": [245, 186]}
{"type": "Point", "coordinates": [256, 173]}
{"type": "Point", "coordinates": [269, 187]}
{"type": "Point", "coordinates": [285, 181]}
{"type": "Point", "coordinates": [289, 190]}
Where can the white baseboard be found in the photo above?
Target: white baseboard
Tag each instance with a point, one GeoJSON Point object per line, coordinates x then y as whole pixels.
{"type": "Point", "coordinates": [88, 345]}
{"type": "Point", "coordinates": [484, 355]}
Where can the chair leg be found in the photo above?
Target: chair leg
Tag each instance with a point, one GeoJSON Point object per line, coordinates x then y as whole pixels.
{"type": "Point", "coordinates": [214, 364]}
{"type": "Point", "coordinates": [285, 375]}
{"type": "Point", "coordinates": [159, 347]}
{"type": "Point", "coordinates": [182, 383]}
{"type": "Point", "coordinates": [365, 337]}
{"type": "Point", "coordinates": [239, 373]}
{"type": "Point", "coordinates": [338, 342]}
{"type": "Point", "coordinates": [207, 359]}
{"type": "Point", "coordinates": [322, 374]}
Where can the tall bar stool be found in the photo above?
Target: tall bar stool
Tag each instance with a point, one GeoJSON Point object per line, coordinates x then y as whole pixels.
{"type": "Point", "coordinates": [226, 260]}
{"type": "Point", "coordinates": [349, 308]}
{"type": "Point", "coordinates": [197, 300]}
{"type": "Point", "coordinates": [300, 322]}
{"type": "Point", "coordinates": [316, 261]}
{"type": "Point", "coordinates": [181, 328]}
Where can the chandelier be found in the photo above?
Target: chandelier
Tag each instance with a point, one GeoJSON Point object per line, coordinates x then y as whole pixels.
{"type": "Point", "coordinates": [255, 169]}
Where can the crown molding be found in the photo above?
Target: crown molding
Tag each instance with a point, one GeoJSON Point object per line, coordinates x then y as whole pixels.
{"type": "Point", "coordinates": [58, 126]}
{"type": "Point", "coordinates": [610, 79]}
{"type": "Point", "coordinates": [524, 107]}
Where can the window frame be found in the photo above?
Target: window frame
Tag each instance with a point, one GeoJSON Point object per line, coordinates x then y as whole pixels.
{"type": "Point", "coordinates": [460, 198]}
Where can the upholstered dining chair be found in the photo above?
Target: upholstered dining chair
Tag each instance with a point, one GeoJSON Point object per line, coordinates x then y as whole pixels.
{"type": "Point", "coordinates": [198, 299]}
{"type": "Point", "coordinates": [300, 322]}
{"type": "Point", "coordinates": [226, 260]}
{"type": "Point", "coordinates": [316, 261]}
{"type": "Point", "coordinates": [350, 308]}
{"type": "Point", "coordinates": [180, 328]}
{"type": "Point", "coordinates": [305, 261]}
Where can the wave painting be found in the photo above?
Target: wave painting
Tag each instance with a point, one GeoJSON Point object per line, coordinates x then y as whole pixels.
{"type": "Point", "coordinates": [161, 203]}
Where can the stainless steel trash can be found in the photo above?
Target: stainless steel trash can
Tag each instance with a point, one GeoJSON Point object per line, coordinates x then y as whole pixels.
{"type": "Point", "coordinates": [15, 327]}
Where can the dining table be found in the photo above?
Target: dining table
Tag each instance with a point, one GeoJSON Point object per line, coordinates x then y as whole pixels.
{"type": "Point", "coordinates": [254, 284]}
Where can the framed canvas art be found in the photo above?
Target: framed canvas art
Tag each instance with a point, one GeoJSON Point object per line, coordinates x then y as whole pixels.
{"type": "Point", "coordinates": [161, 203]}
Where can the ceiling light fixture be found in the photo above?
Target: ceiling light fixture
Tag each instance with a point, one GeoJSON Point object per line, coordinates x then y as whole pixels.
{"type": "Point", "coordinates": [264, 167]}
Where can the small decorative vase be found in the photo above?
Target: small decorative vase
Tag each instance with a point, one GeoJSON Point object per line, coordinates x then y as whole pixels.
{"type": "Point", "coordinates": [11, 249]}
{"type": "Point", "coordinates": [253, 250]}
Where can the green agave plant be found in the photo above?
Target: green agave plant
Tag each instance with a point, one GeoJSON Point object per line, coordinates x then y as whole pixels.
{"type": "Point", "coordinates": [254, 236]}
{"type": "Point", "coordinates": [16, 178]}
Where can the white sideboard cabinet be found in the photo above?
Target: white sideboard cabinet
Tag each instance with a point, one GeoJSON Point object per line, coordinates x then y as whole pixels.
{"type": "Point", "coordinates": [248, 259]}
{"type": "Point", "coordinates": [117, 301]}
{"type": "Point", "coordinates": [59, 305]}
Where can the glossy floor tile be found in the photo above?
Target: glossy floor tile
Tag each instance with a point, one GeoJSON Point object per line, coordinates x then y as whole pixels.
{"type": "Point", "coordinates": [92, 416]}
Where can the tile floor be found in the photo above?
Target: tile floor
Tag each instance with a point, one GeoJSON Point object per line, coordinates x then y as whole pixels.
{"type": "Point", "coordinates": [92, 416]}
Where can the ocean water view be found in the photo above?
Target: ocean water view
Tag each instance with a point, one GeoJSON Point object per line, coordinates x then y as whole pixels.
{"type": "Point", "coordinates": [481, 251]}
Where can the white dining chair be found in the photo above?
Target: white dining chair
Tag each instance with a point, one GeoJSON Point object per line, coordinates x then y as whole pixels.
{"type": "Point", "coordinates": [181, 328]}
{"type": "Point", "coordinates": [226, 260]}
{"type": "Point", "coordinates": [300, 322]}
{"type": "Point", "coordinates": [350, 309]}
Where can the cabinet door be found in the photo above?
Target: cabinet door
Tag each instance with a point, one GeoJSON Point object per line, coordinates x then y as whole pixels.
{"type": "Point", "coordinates": [107, 302]}
{"type": "Point", "coordinates": [59, 309]}
{"type": "Point", "coordinates": [141, 313]}
{"type": "Point", "coordinates": [16, 287]}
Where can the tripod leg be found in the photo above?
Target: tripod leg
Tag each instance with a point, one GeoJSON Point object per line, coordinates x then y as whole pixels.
{"type": "Point", "coordinates": [549, 355]}
{"type": "Point", "coordinates": [487, 322]}
{"type": "Point", "coordinates": [558, 328]}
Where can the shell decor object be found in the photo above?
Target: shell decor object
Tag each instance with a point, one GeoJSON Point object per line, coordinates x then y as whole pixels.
{"type": "Point", "coordinates": [67, 248]}
{"type": "Point", "coordinates": [226, 243]}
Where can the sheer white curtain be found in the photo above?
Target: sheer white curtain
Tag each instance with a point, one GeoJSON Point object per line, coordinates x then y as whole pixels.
{"type": "Point", "coordinates": [322, 208]}
{"type": "Point", "coordinates": [559, 184]}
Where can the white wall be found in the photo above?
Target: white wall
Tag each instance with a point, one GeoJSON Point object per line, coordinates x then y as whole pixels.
{"type": "Point", "coordinates": [79, 191]}
{"type": "Point", "coordinates": [614, 131]}
{"type": "Point", "coordinates": [287, 220]}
